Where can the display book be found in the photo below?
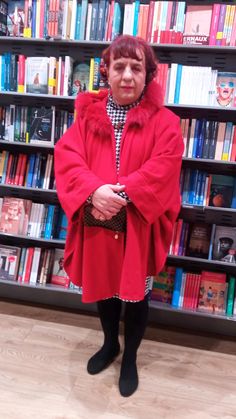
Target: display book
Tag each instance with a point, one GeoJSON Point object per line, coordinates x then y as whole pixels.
{"type": "Point", "coordinates": [180, 262]}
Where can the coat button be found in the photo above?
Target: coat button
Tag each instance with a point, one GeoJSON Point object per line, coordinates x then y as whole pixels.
{"type": "Point", "coordinates": [116, 236]}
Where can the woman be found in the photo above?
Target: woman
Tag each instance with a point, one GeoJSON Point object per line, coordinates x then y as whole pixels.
{"type": "Point", "coordinates": [121, 158]}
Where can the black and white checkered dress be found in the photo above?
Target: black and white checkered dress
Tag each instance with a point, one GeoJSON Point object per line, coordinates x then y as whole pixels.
{"type": "Point", "coordinates": [117, 114]}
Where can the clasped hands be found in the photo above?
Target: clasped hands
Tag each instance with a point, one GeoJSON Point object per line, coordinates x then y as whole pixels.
{"type": "Point", "coordinates": [106, 202]}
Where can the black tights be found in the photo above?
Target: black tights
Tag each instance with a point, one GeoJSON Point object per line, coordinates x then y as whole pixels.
{"type": "Point", "coordinates": [135, 321]}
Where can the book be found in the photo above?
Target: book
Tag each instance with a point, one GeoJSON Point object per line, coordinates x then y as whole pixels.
{"type": "Point", "coordinates": [197, 24]}
{"type": "Point", "coordinates": [59, 275]}
{"type": "Point", "coordinates": [199, 240]}
{"type": "Point", "coordinates": [13, 214]}
{"type": "Point", "coordinates": [212, 295]}
{"type": "Point", "coordinates": [224, 243]}
{"type": "Point", "coordinates": [9, 262]}
{"type": "Point", "coordinates": [230, 296]}
{"type": "Point", "coordinates": [80, 78]}
{"type": "Point", "coordinates": [221, 191]}
{"type": "Point", "coordinates": [41, 126]}
{"type": "Point", "coordinates": [36, 78]}
{"type": "Point", "coordinates": [225, 89]}
{"type": "Point", "coordinates": [163, 284]}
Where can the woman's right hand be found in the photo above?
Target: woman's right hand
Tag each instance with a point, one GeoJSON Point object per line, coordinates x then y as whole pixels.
{"type": "Point", "coordinates": [106, 200]}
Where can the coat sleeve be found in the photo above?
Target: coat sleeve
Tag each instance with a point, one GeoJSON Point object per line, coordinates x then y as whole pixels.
{"type": "Point", "coordinates": [154, 188]}
{"type": "Point", "coordinates": [74, 180]}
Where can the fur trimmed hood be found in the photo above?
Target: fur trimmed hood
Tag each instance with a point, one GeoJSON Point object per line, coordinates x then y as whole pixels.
{"type": "Point", "coordinates": [92, 106]}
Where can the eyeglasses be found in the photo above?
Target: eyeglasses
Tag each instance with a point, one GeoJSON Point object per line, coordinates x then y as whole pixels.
{"type": "Point", "coordinates": [227, 84]}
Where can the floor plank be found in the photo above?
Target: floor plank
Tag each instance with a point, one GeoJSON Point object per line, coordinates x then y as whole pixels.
{"type": "Point", "coordinates": [43, 355]}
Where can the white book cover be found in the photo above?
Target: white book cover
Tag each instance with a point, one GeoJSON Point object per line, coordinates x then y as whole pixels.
{"type": "Point", "coordinates": [58, 87]}
{"type": "Point", "coordinates": [220, 140]}
{"type": "Point", "coordinates": [172, 82]}
{"type": "Point", "coordinates": [128, 22]}
{"type": "Point", "coordinates": [36, 80]}
{"type": "Point", "coordinates": [45, 180]}
{"type": "Point", "coordinates": [155, 19]}
{"type": "Point", "coordinates": [35, 265]}
{"type": "Point", "coordinates": [191, 138]}
{"type": "Point", "coordinates": [68, 76]}
{"type": "Point", "coordinates": [73, 19]}
{"type": "Point", "coordinates": [88, 22]}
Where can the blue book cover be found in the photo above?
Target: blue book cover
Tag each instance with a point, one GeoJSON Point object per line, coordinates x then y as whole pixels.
{"type": "Point", "coordinates": [177, 287]}
{"type": "Point", "coordinates": [197, 131]}
{"type": "Point", "coordinates": [233, 204]}
{"type": "Point", "coordinates": [198, 189]}
{"type": "Point", "coordinates": [201, 139]}
{"type": "Point", "coordinates": [78, 22]}
{"type": "Point", "coordinates": [84, 8]}
{"type": "Point", "coordinates": [117, 21]}
{"type": "Point", "coordinates": [36, 168]}
{"type": "Point", "coordinates": [192, 186]}
{"type": "Point", "coordinates": [62, 226]}
{"type": "Point", "coordinates": [49, 222]}
{"type": "Point", "coordinates": [178, 83]}
{"type": "Point", "coordinates": [29, 178]}
{"type": "Point", "coordinates": [33, 18]}
{"type": "Point", "coordinates": [101, 20]}
{"type": "Point", "coordinates": [136, 16]}
{"type": "Point", "coordinates": [94, 21]}
{"type": "Point", "coordinates": [202, 190]}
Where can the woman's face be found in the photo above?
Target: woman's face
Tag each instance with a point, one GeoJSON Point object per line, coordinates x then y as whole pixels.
{"type": "Point", "coordinates": [126, 77]}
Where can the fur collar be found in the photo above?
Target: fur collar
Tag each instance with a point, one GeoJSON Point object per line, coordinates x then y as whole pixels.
{"type": "Point", "coordinates": [92, 106]}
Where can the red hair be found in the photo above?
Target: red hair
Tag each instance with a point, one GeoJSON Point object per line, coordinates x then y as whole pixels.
{"type": "Point", "coordinates": [127, 46]}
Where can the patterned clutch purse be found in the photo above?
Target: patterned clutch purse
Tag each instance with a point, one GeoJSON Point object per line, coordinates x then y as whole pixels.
{"type": "Point", "coordinates": [116, 223]}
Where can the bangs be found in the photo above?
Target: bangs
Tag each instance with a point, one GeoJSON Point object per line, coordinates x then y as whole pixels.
{"type": "Point", "coordinates": [127, 50]}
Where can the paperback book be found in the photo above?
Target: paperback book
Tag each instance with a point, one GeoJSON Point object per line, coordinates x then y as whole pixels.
{"type": "Point", "coordinates": [213, 292]}
{"type": "Point", "coordinates": [9, 262]}
{"type": "Point", "coordinates": [224, 245]}
{"type": "Point", "coordinates": [36, 80]}
{"type": "Point", "coordinates": [225, 94]}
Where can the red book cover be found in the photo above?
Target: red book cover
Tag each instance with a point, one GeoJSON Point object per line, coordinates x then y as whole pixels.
{"type": "Point", "coordinates": [177, 237]}
{"type": "Point", "coordinates": [233, 151]}
{"type": "Point", "coordinates": [169, 15]}
{"type": "Point", "coordinates": [21, 74]}
{"type": "Point", "coordinates": [214, 23]}
{"type": "Point", "coordinates": [110, 20]}
{"type": "Point", "coordinates": [41, 19]}
{"type": "Point", "coordinates": [28, 262]}
{"type": "Point", "coordinates": [150, 20]}
{"type": "Point", "coordinates": [22, 170]}
{"type": "Point", "coordinates": [8, 170]}
{"type": "Point", "coordinates": [12, 215]}
{"type": "Point", "coordinates": [18, 168]}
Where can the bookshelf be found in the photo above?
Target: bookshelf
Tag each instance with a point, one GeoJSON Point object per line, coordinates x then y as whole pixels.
{"type": "Point", "coordinates": [221, 58]}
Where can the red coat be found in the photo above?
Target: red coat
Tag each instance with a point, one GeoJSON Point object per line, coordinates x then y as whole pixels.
{"type": "Point", "coordinates": [150, 162]}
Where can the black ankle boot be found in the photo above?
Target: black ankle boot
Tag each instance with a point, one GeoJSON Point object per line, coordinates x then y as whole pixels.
{"type": "Point", "coordinates": [135, 320]}
{"type": "Point", "coordinates": [109, 313]}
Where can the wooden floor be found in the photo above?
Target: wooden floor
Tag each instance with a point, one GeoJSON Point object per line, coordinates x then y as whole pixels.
{"type": "Point", "coordinates": [43, 355]}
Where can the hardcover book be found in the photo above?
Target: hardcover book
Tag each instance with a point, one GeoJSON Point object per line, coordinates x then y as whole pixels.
{"type": "Point", "coordinates": [9, 262]}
